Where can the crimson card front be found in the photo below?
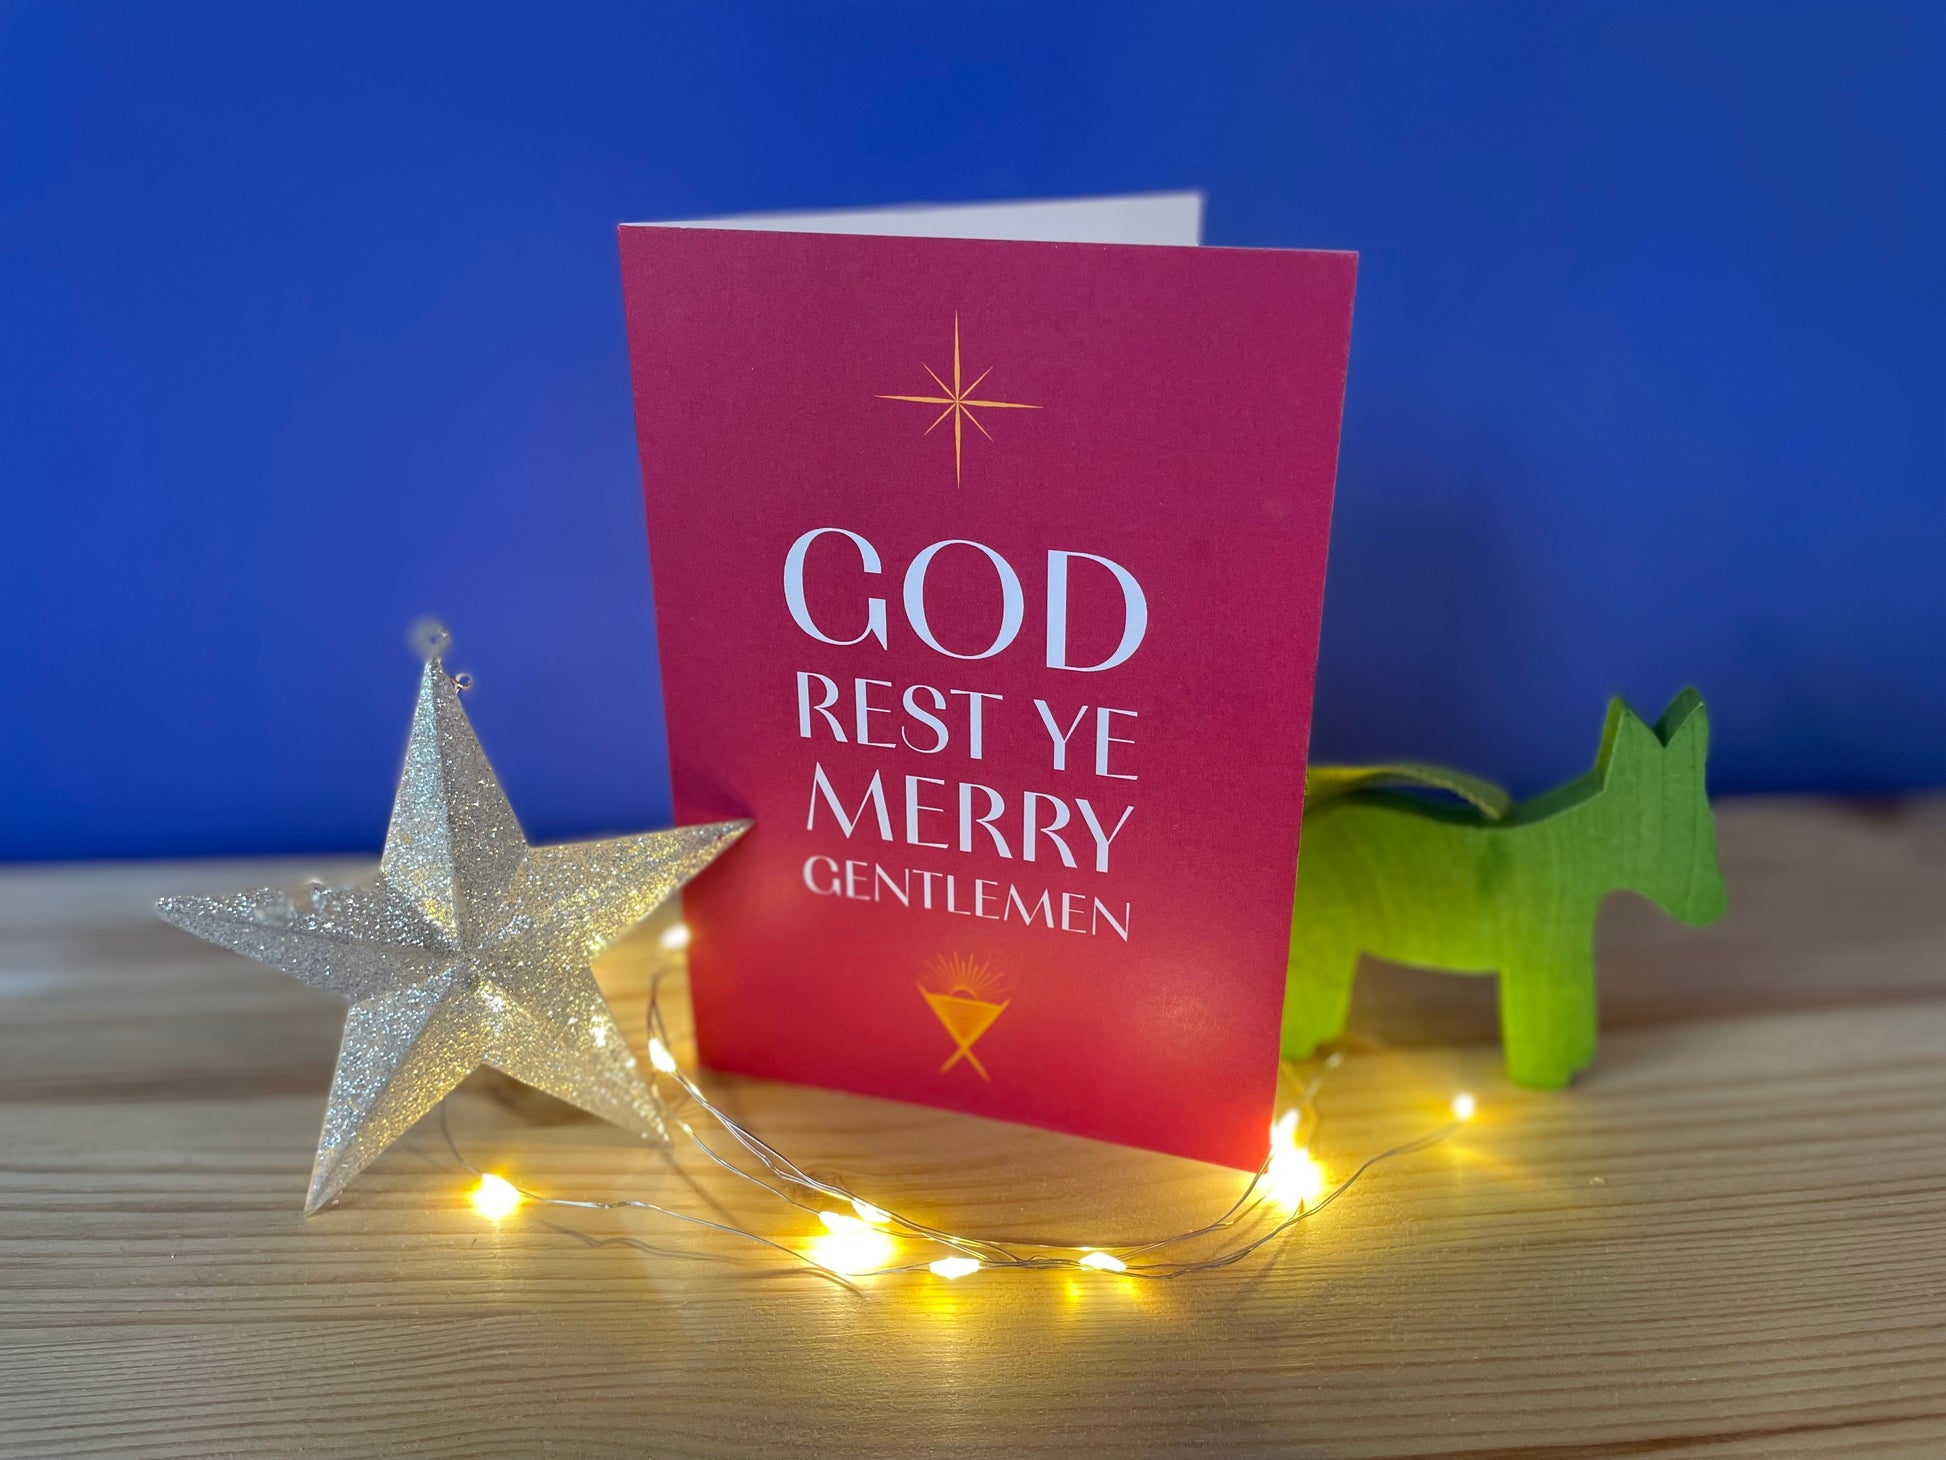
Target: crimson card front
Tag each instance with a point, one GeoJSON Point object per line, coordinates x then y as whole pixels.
{"type": "Point", "coordinates": [987, 581]}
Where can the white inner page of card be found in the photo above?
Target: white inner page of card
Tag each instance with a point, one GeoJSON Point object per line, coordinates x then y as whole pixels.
{"type": "Point", "coordinates": [1158, 218]}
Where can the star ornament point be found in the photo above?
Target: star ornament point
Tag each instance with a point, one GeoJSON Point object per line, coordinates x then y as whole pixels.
{"type": "Point", "coordinates": [470, 947]}
{"type": "Point", "coordinates": [960, 402]}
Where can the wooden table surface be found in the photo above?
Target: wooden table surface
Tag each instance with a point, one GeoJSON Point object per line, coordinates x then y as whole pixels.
{"type": "Point", "coordinates": [1729, 1239]}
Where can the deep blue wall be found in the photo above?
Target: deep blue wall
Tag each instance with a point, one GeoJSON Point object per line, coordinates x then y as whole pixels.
{"type": "Point", "coordinates": [309, 322]}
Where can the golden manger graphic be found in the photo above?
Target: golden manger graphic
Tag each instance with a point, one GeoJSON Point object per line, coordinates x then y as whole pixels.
{"type": "Point", "coordinates": [963, 1007]}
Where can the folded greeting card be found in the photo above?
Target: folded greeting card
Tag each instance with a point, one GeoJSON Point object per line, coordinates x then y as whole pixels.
{"type": "Point", "coordinates": [987, 580]}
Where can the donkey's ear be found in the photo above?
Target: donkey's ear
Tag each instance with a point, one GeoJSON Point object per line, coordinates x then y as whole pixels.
{"type": "Point", "coordinates": [1685, 730]}
{"type": "Point", "coordinates": [1686, 719]}
{"type": "Point", "coordinates": [1626, 742]}
{"type": "Point", "coordinates": [1684, 727]}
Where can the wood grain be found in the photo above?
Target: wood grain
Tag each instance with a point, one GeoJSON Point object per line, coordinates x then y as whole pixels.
{"type": "Point", "coordinates": [1729, 1239]}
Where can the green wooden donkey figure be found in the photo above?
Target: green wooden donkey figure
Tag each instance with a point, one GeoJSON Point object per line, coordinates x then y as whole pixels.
{"type": "Point", "coordinates": [1486, 886]}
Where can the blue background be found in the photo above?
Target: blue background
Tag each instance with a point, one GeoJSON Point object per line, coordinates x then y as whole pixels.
{"type": "Point", "coordinates": [310, 322]}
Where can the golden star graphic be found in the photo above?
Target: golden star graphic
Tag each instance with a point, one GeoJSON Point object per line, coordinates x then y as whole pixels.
{"type": "Point", "coordinates": [471, 947]}
{"type": "Point", "coordinates": [959, 402]}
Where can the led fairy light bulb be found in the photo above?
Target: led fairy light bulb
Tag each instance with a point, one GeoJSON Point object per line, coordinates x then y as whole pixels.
{"type": "Point", "coordinates": [495, 1197]}
{"type": "Point", "coordinates": [1292, 1177]}
{"type": "Point", "coordinates": [852, 1253]}
{"type": "Point", "coordinates": [1295, 1179]}
{"type": "Point", "coordinates": [1464, 1106]}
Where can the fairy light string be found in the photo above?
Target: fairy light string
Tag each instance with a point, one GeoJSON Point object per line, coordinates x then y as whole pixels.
{"type": "Point", "coordinates": [854, 1237]}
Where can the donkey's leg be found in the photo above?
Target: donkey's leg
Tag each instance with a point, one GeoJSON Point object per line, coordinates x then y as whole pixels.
{"type": "Point", "coordinates": [1317, 993]}
{"type": "Point", "coordinates": [1547, 1013]}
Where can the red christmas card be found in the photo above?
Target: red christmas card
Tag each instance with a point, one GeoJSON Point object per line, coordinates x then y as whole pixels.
{"type": "Point", "coordinates": [987, 580]}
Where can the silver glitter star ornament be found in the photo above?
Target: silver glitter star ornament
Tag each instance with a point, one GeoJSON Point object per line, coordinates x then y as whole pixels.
{"type": "Point", "coordinates": [469, 948]}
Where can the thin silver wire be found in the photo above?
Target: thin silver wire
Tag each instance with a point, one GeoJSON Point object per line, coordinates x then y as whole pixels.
{"type": "Point", "coordinates": [1009, 1253]}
